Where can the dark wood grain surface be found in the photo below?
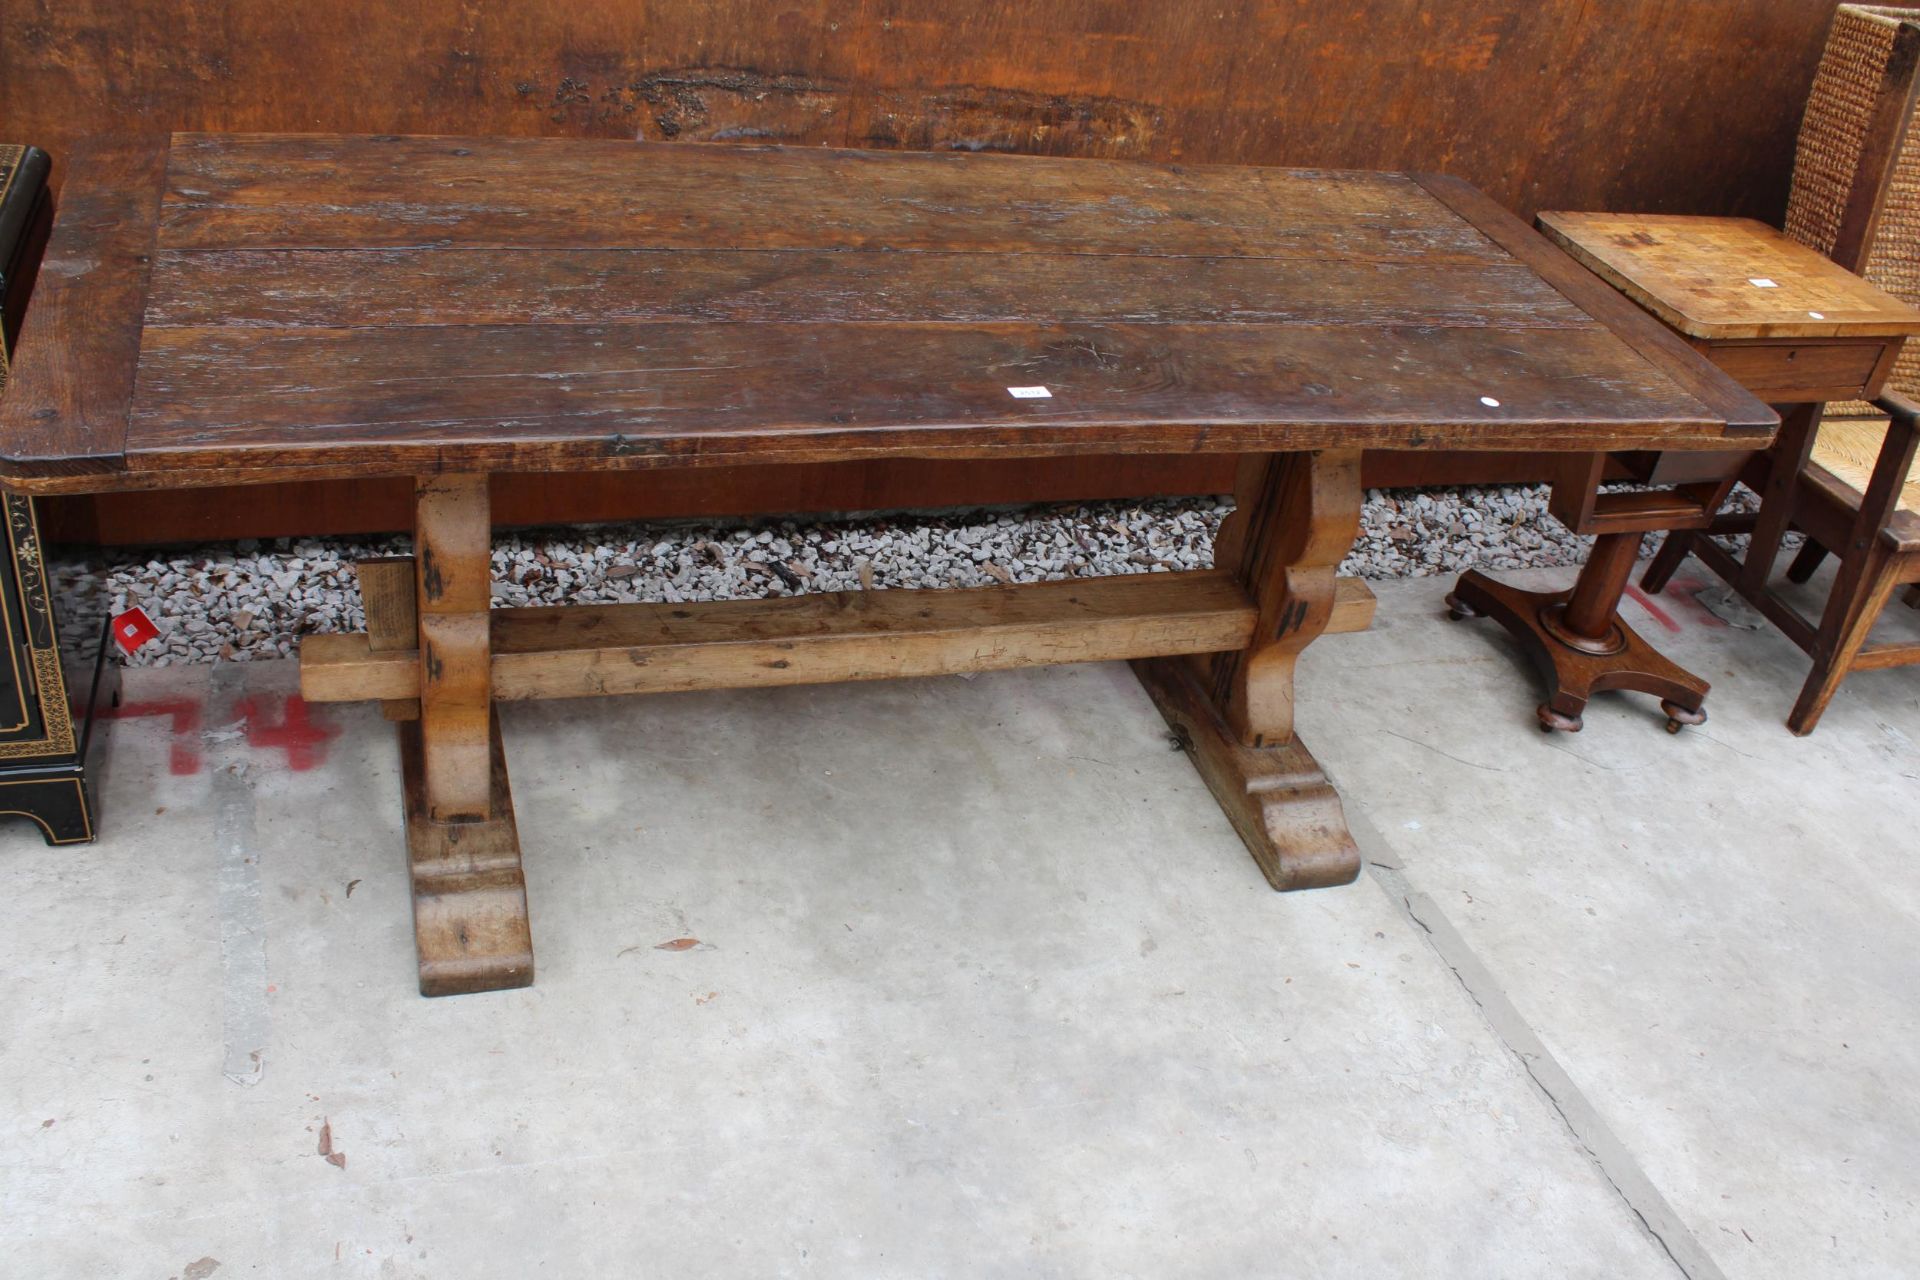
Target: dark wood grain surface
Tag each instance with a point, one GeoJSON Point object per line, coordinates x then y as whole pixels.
{"type": "Point", "coordinates": [1568, 104]}
{"type": "Point", "coordinates": [66, 412]}
{"type": "Point", "coordinates": [298, 288]}
{"type": "Point", "coordinates": [1654, 107]}
{"type": "Point", "coordinates": [385, 305]}
{"type": "Point", "coordinates": [349, 192]}
{"type": "Point", "coordinates": [1652, 341]}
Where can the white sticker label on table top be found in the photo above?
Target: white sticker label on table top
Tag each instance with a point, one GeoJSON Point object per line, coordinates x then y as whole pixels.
{"type": "Point", "coordinates": [1490, 402]}
{"type": "Point", "coordinates": [1818, 315]}
{"type": "Point", "coordinates": [1761, 282]}
{"type": "Point", "coordinates": [1030, 393]}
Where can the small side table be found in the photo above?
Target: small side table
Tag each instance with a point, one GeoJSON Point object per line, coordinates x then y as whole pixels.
{"type": "Point", "coordinates": [1795, 329]}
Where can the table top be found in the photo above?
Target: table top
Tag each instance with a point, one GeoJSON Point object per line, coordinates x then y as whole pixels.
{"type": "Point", "coordinates": [219, 308]}
{"type": "Point", "coordinates": [1724, 279]}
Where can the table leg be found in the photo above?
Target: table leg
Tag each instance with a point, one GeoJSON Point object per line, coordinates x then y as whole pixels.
{"type": "Point", "coordinates": [469, 894]}
{"type": "Point", "coordinates": [453, 540]}
{"type": "Point", "coordinates": [1785, 461]}
{"type": "Point", "coordinates": [1577, 640]}
{"type": "Point", "coordinates": [1296, 517]}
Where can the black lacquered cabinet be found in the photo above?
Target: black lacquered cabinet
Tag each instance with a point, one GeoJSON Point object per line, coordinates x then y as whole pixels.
{"type": "Point", "coordinates": [43, 773]}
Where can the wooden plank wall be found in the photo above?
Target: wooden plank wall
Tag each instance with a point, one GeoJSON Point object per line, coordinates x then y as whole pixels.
{"type": "Point", "coordinates": [1646, 105]}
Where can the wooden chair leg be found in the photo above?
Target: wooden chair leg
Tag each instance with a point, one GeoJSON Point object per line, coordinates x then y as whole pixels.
{"type": "Point", "coordinates": [1843, 629]}
{"type": "Point", "coordinates": [1665, 561]}
{"type": "Point", "coordinates": [1804, 564]}
{"type": "Point", "coordinates": [1296, 518]}
{"type": "Point", "coordinates": [1868, 570]}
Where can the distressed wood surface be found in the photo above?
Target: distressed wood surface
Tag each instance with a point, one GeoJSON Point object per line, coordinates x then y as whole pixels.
{"type": "Point", "coordinates": [595, 650]}
{"type": "Point", "coordinates": [715, 305]}
{"type": "Point", "coordinates": [1376, 84]}
{"type": "Point", "coordinates": [452, 545]}
{"type": "Point", "coordinates": [65, 410]}
{"type": "Point", "coordinates": [470, 929]}
{"type": "Point", "coordinates": [389, 589]}
{"type": "Point", "coordinates": [556, 396]}
{"type": "Point", "coordinates": [392, 287]}
{"type": "Point", "coordinates": [1294, 520]}
{"type": "Point", "coordinates": [323, 191]}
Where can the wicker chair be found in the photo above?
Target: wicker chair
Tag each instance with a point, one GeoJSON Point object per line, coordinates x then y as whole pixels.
{"type": "Point", "coordinates": [1850, 478]}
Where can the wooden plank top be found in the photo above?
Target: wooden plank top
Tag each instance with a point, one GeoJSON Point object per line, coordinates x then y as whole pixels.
{"type": "Point", "coordinates": [1729, 278]}
{"type": "Point", "coordinates": [227, 308]}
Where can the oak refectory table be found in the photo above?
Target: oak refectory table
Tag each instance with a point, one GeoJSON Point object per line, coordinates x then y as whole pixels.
{"type": "Point", "coordinates": [227, 309]}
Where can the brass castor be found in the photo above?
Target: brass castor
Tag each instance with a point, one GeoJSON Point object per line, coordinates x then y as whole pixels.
{"type": "Point", "coordinates": [1458, 609]}
{"type": "Point", "coordinates": [1679, 717]}
{"type": "Point", "coordinates": [1551, 720]}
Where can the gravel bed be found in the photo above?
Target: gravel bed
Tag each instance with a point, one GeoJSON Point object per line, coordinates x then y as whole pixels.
{"type": "Point", "coordinates": [255, 599]}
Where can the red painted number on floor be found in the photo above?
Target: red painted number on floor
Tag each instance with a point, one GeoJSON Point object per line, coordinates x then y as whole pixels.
{"type": "Point", "coordinates": [295, 732]}
{"type": "Point", "coordinates": [183, 753]}
{"type": "Point", "coordinates": [290, 728]}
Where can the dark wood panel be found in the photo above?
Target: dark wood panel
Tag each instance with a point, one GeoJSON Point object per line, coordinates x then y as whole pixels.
{"type": "Point", "coordinates": [537, 286]}
{"type": "Point", "coordinates": [80, 340]}
{"type": "Point", "coordinates": [527, 397]}
{"type": "Point", "coordinates": [332, 400]}
{"type": "Point", "coordinates": [1634, 104]}
{"type": "Point", "coordinates": [1657, 344]}
{"type": "Point", "coordinates": [386, 506]}
{"type": "Point", "coordinates": [383, 191]}
{"type": "Point", "coordinates": [1658, 107]}
{"type": "Point", "coordinates": [1808, 369]}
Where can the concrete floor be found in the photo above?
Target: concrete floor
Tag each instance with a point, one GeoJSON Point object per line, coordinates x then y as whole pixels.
{"type": "Point", "coordinates": [986, 986]}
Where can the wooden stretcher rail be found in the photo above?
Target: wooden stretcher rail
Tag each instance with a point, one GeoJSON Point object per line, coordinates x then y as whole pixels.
{"type": "Point", "coordinates": [593, 650]}
{"type": "Point", "coordinates": [1878, 657]}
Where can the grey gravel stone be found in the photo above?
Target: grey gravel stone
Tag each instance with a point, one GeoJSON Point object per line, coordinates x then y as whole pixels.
{"type": "Point", "coordinates": [248, 600]}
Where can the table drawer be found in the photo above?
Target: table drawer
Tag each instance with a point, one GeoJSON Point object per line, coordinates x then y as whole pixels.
{"type": "Point", "coordinates": [1791, 371]}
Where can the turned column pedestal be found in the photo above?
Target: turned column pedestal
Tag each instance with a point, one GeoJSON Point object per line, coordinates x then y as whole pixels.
{"type": "Point", "coordinates": [1578, 642]}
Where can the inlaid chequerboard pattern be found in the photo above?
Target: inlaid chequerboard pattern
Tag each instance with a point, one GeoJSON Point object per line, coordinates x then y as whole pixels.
{"type": "Point", "coordinates": [1728, 278]}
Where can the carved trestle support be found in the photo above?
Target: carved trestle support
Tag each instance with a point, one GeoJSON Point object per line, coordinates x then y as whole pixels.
{"type": "Point", "coordinates": [1295, 517]}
